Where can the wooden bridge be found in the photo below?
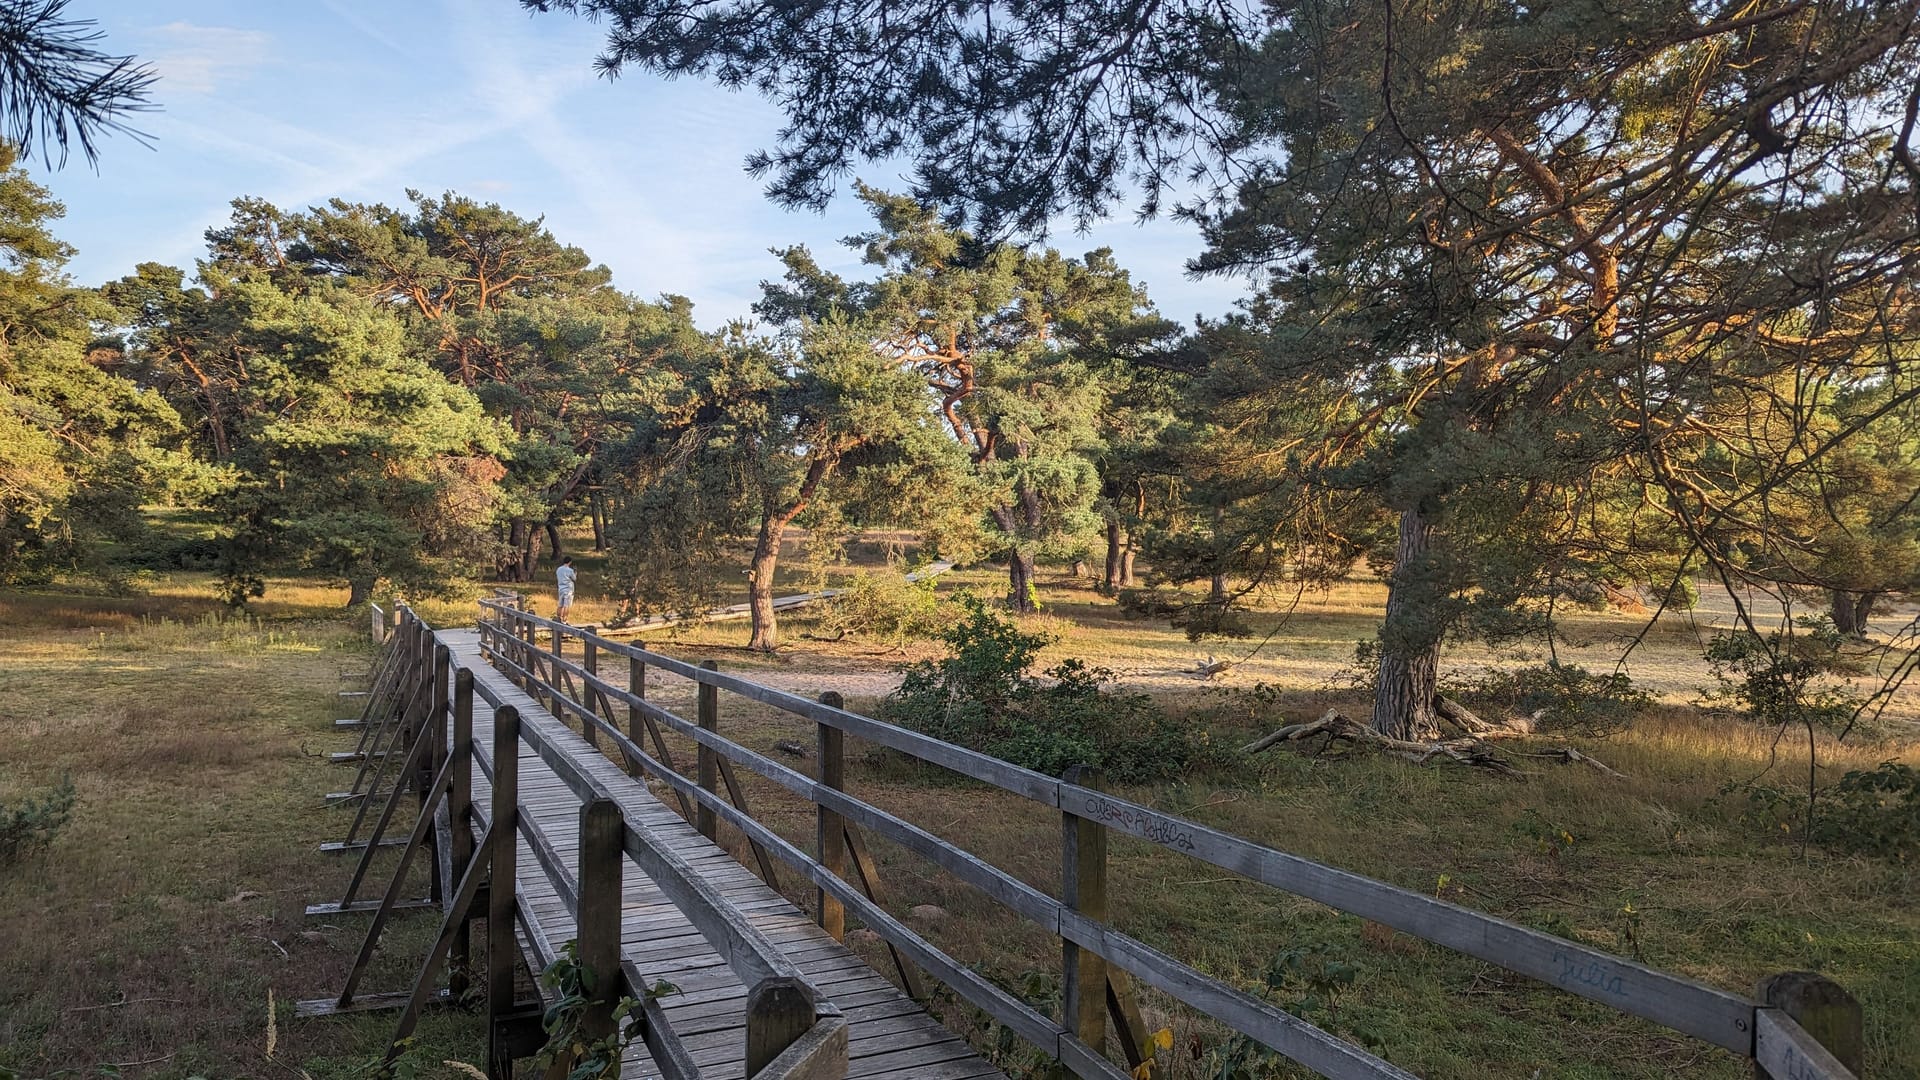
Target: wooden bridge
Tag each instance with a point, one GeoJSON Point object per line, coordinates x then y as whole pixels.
{"type": "Point", "coordinates": [495, 743]}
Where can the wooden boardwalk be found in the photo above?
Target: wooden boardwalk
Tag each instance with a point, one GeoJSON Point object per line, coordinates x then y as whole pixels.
{"type": "Point", "coordinates": [889, 1034]}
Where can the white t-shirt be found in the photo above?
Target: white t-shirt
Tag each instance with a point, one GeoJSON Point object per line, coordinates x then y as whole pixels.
{"type": "Point", "coordinates": [566, 576]}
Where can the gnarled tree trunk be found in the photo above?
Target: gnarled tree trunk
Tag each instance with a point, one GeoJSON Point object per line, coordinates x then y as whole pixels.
{"type": "Point", "coordinates": [1114, 546]}
{"type": "Point", "coordinates": [774, 520]}
{"type": "Point", "coordinates": [1403, 698]}
{"type": "Point", "coordinates": [1020, 588]}
{"type": "Point", "coordinates": [1850, 612]}
{"type": "Point", "coordinates": [359, 591]}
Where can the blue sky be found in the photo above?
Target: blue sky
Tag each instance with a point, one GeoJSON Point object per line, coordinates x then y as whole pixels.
{"type": "Point", "coordinates": [362, 99]}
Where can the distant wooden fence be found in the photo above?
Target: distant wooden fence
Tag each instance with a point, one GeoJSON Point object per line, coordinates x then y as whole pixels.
{"type": "Point", "coordinates": [1099, 961]}
{"type": "Point", "coordinates": [420, 713]}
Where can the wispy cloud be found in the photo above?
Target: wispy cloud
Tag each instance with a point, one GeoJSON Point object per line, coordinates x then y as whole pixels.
{"type": "Point", "coordinates": [201, 59]}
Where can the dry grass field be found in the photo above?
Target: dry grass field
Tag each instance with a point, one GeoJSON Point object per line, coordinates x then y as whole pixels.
{"type": "Point", "coordinates": [145, 941]}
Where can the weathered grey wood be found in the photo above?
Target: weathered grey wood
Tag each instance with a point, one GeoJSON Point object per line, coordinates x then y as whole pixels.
{"type": "Point", "coordinates": [820, 1054]}
{"type": "Point", "coordinates": [590, 659]}
{"type": "Point", "coordinates": [597, 915]}
{"type": "Point", "coordinates": [1783, 1050]}
{"type": "Point", "coordinates": [830, 841]}
{"type": "Point", "coordinates": [1818, 1028]}
{"type": "Point", "coordinates": [423, 983]}
{"type": "Point", "coordinates": [779, 1011]}
{"type": "Point", "coordinates": [379, 832]}
{"type": "Point", "coordinates": [707, 760]}
{"type": "Point", "coordinates": [379, 620]}
{"type": "Point", "coordinates": [868, 872]}
{"type": "Point", "coordinates": [313, 1008]}
{"type": "Point", "coordinates": [1714, 1015]}
{"type": "Point", "coordinates": [501, 948]}
{"type": "Point", "coordinates": [1037, 786]}
{"type": "Point", "coordinates": [392, 896]}
{"type": "Point", "coordinates": [459, 819]}
{"type": "Point", "coordinates": [1083, 889]}
{"type": "Point", "coordinates": [739, 799]}
{"type": "Point", "coordinates": [362, 907]}
{"type": "Point", "coordinates": [1136, 1042]}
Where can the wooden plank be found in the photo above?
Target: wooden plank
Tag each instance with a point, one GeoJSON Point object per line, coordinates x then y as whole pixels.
{"type": "Point", "coordinates": [362, 907]}
{"type": "Point", "coordinates": [317, 1007]}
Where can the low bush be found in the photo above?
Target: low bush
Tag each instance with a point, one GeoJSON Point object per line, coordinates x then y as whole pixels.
{"type": "Point", "coordinates": [882, 607]}
{"type": "Point", "coordinates": [35, 822]}
{"type": "Point", "coordinates": [982, 696]}
{"type": "Point", "coordinates": [1866, 812]}
{"type": "Point", "coordinates": [1560, 698]}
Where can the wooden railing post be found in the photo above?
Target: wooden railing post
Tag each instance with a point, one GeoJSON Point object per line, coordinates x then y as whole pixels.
{"type": "Point", "coordinates": [829, 833]}
{"type": "Point", "coordinates": [459, 820]}
{"type": "Point", "coordinates": [1083, 889]}
{"type": "Point", "coordinates": [779, 1011]}
{"type": "Point", "coordinates": [602, 850]}
{"type": "Point", "coordinates": [1824, 1010]}
{"type": "Point", "coordinates": [436, 735]}
{"type": "Point", "coordinates": [708, 762]}
{"type": "Point", "coordinates": [502, 948]}
{"type": "Point", "coordinates": [636, 720]}
{"type": "Point", "coordinates": [590, 660]}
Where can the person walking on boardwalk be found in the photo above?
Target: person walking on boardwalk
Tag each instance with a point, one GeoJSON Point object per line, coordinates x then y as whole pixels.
{"type": "Point", "coordinates": [565, 574]}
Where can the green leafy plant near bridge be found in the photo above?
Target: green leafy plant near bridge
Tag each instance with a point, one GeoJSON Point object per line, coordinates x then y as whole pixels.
{"type": "Point", "coordinates": [982, 696]}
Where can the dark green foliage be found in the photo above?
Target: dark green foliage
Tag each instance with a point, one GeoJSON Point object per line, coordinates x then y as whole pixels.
{"type": "Point", "coordinates": [1561, 698]}
{"type": "Point", "coordinates": [35, 822]}
{"type": "Point", "coordinates": [1310, 983]}
{"type": "Point", "coordinates": [982, 697]}
{"type": "Point", "coordinates": [1868, 811]}
{"type": "Point", "coordinates": [570, 985]}
{"type": "Point", "coordinates": [1785, 676]}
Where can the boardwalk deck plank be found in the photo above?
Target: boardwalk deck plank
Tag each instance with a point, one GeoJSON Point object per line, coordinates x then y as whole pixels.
{"type": "Point", "coordinates": [889, 1035]}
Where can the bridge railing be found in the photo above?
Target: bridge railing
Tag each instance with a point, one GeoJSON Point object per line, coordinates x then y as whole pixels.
{"type": "Point", "coordinates": [1098, 959]}
{"type": "Point", "coordinates": [420, 713]}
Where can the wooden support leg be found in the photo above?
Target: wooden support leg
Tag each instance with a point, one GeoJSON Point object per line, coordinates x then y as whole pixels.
{"type": "Point", "coordinates": [869, 877]}
{"type": "Point", "coordinates": [779, 1012]}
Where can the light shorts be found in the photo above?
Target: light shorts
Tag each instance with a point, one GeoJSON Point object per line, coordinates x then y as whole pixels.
{"type": "Point", "coordinates": [566, 598]}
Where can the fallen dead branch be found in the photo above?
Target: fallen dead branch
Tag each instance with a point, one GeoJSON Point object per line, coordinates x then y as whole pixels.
{"type": "Point", "coordinates": [1469, 749]}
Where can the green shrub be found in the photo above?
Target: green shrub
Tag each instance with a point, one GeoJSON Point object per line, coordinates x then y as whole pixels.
{"type": "Point", "coordinates": [882, 607]}
{"type": "Point", "coordinates": [1785, 677]}
{"type": "Point", "coordinates": [980, 696]}
{"type": "Point", "coordinates": [35, 822]}
{"type": "Point", "coordinates": [1867, 811]}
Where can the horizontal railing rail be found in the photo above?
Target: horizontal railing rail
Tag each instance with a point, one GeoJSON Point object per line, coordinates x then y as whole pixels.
{"type": "Point", "coordinates": [509, 641]}
{"type": "Point", "coordinates": [793, 1032]}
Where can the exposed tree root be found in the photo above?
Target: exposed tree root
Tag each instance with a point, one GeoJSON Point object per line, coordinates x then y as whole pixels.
{"type": "Point", "coordinates": [1469, 749]}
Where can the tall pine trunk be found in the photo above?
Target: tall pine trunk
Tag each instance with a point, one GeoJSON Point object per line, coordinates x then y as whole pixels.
{"type": "Point", "coordinates": [529, 552]}
{"type": "Point", "coordinates": [1403, 699]}
{"type": "Point", "coordinates": [597, 511]}
{"type": "Point", "coordinates": [553, 539]}
{"type": "Point", "coordinates": [359, 591]}
{"type": "Point", "coordinates": [1114, 545]}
